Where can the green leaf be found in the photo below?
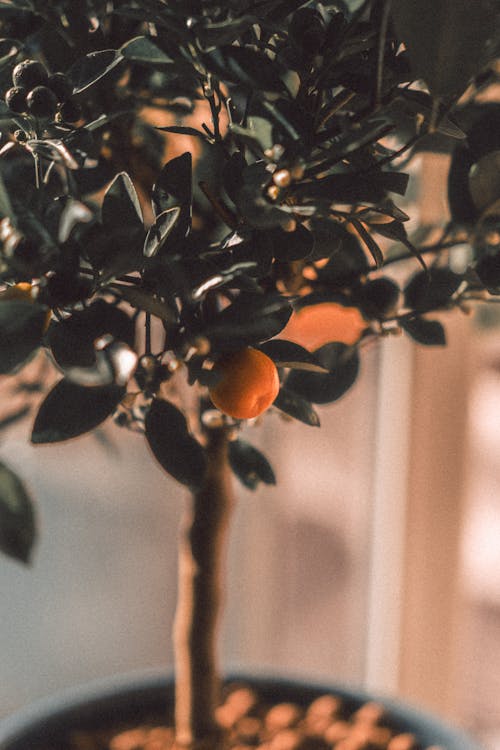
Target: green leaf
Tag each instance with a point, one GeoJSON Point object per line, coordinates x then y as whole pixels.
{"type": "Point", "coordinates": [9, 48]}
{"type": "Point", "coordinates": [370, 243]}
{"type": "Point", "coordinates": [143, 299]}
{"type": "Point", "coordinates": [289, 246]}
{"type": "Point", "coordinates": [141, 49]}
{"type": "Point", "coordinates": [246, 66]}
{"type": "Point", "coordinates": [488, 270]}
{"type": "Point", "coordinates": [21, 331]}
{"type": "Point", "coordinates": [249, 464]}
{"type": "Point", "coordinates": [378, 298]}
{"type": "Point", "coordinates": [448, 42]}
{"type": "Point", "coordinates": [121, 207]}
{"type": "Point", "coordinates": [288, 354]}
{"type": "Point", "coordinates": [350, 188]}
{"type": "Point", "coordinates": [297, 407]}
{"type": "Point", "coordinates": [342, 363]}
{"type": "Point", "coordinates": [173, 447]}
{"type": "Point", "coordinates": [160, 231]}
{"type": "Point", "coordinates": [182, 130]}
{"type": "Point", "coordinates": [71, 410]}
{"type": "Point", "coordinates": [416, 107]}
{"type": "Point", "coordinates": [17, 517]}
{"type": "Point", "coordinates": [428, 332]}
{"type": "Point", "coordinates": [250, 319]}
{"type": "Point", "coordinates": [432, 289]}
{"type": "Point", "coordinates": [90, 69]}
{"type": "Point", "coordinates": [224, 32]}
{"type": "Point", "coordinates": [72, 340]}
{"type": "Point", "coordinates": [173, 189]}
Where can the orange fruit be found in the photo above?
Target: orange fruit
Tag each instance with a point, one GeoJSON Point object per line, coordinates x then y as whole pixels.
{"type": "Point", "coordinates": [22, 291]}
{"type": "Point", "coordinates": [313, 326]}
{"type": "Point", "coordinates": [248, 383]}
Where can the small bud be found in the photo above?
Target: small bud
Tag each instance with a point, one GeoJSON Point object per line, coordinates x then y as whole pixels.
{"type": "Point", "coordinates": [29, 73]}
{"type": "Point", "coordinates": [202, 345]}
{"type": "Point", "coordinates": [42, 102]}
{"type": "Point", "coordinates": [15, 99]}
{"type": "Point", "coordinates": [273, 192]}
{"type": "Point", "coordinates": [290, 225]}
{"type": "Point", "coordinates": [212, 419]}
{"type": "Point", "coordinates": [277, 151]}
{"type": "Point", "coordinates": [297, 171]}
{"type": "Point", "coordinates": [282, 178]}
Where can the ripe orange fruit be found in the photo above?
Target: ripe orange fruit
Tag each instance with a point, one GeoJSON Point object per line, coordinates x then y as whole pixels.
{"type": "Point", "coordinates": [248, 385]}
{"type": "Point", "coordinates": [22, 291]}
{"type": "Point", "coordinates": [313, 326]}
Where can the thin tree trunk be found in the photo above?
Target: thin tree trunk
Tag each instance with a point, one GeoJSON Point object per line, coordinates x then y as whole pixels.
{"type": "Point", "coordinates": [201, 559]}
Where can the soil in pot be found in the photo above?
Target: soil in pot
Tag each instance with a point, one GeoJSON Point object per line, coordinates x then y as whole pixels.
{"type": "Point", "coordinates": [251, 724]}
{"type": "Point", "coordinates": [261, 715]}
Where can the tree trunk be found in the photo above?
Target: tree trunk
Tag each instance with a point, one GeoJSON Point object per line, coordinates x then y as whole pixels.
{"type": "Point", "coordinates": [201, 560]}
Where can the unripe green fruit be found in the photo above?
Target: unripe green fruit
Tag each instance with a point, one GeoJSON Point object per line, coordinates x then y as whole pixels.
{"type": "Point", "coordinates": [42, 102]}
{"type": "Point", "coordinates": [60, 85]}
{"type": "Point", "coordinates": [15, 99]}
{"type": "Point", "coordinates": [29, 73]}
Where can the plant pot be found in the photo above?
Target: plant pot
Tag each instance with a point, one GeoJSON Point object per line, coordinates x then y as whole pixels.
{"type": "Point", "coordinates": [119, 704]}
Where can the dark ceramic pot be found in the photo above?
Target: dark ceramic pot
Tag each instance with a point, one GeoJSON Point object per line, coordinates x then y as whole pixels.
{"type": "Point", "coordinates": [118, 704]}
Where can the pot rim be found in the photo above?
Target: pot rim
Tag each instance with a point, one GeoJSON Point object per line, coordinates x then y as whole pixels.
{"type": "Point", "coordinates": [85, 699]}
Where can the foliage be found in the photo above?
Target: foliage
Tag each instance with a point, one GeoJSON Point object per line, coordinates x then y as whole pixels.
{"type": "Point", "coordinates": [302, 118]}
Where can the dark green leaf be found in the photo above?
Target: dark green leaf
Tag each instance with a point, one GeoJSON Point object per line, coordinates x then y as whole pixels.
{"type": "Point", "coordinates": [147, 301]}
{"type": "Point", "coordinates": [287, 354]}
{"type": "Point", "coordinates": [182, 130]}
{"type": "Point", "coordinates": [160, 230]}
{"type": "Point", "coordinates": [224, 32]}
{"type": "Point", "coordinates": [428, 332]}
{"type": "Point", "coordinates": [17, 517]}
{"type": "Point", "coordinates": [249, 464]}
{"type": "Point", "coordinates": [448, 42]}
{"type": "Point", "coordinates": [370, 243]}
{"type": "Point", "coordinates": [395, 230]}
{"type": "Point", "coordinates": [416, 107]}
{"type": "Point", "coordinates": [72, 339]}
{"type": "Point", "coordinates": [350, 188]}
{"type": "Point", "coordinates": [377, 298]}
{"type": "Point", "coordinates": [252, 318]}
{"type": "Point", "coordinates": [172, 445]}
{"type": "Point", "coordinates": [173, 188]}
{"type": "Point", "coordinates": [246, 66]}
{"type": "Point", "coordinates": [90, 69]}
{"type": "Point", "coordinates": [8, 50]}
{"type": "Point", "coordinates": [143, 50]}
{"type": "Point", "coordinates": [71, 410]}
{"type": "Point", "coordinates": [21, 330]}
{"type": "Point", "coordinates": [342, 363]}
{"type": "Point", "coordinates": [484, 181]}
{"type": "Point", "coordinates": [296, 406]}
{"type": "Point", "coordinates": [289, 246]}
{"type": "Point", "coordinates": [428, 290]}
{"type": "Point", "coordinates": [488, 270]}
{"type": "Point", "coordinates": [367, 132]}
{"type": "Point", "coordinates": [121, 207]}
{"type": "Point", "coordinates": [233, 173]}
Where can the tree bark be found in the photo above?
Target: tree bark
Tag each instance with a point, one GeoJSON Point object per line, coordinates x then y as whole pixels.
{"type": "Point", "coordinates": [200, 594]}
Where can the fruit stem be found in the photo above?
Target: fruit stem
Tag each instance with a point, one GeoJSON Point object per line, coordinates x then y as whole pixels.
{"type": "Point", "coordinates": [201, 560]}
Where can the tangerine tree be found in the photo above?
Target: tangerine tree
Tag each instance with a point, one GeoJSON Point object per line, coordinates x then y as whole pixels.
{"type": "Point", "coordinates": [207, 199]}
